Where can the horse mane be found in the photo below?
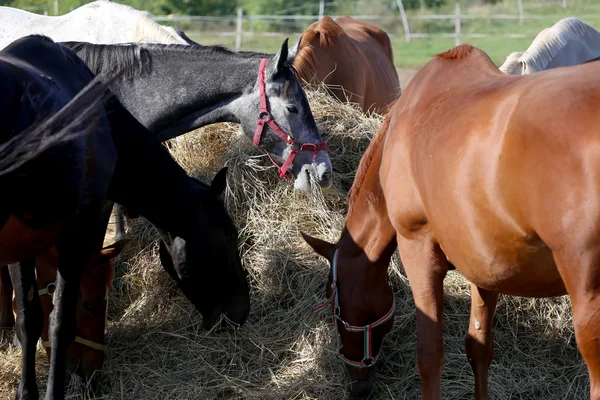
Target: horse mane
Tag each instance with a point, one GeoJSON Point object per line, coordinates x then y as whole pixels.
{"type": "Point", "coordinates": [327, 31]}
{"type": "Point", "coordinates": [365, 161]}
{"type": "Point", "coordinates": [135, 59]}
{"type": "Point", "coordinates": [549, 42]}
{"type": "Point", "coordinates": [456, 53]}
{"type": "Point", "coordinates": [68, 123]}
{"type": "Point", "coordinates": [512, 61]}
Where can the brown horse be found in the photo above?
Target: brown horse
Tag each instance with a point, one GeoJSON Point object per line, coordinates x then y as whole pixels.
{"type": "Point", "coordinates": [353, 58]}
{"type": "Point", "coordinates": [496, 175]}
{"type": "Point", "coordinates": [86, 354]}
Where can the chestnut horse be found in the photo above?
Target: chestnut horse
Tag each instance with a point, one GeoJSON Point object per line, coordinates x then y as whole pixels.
{"type": "Point", "coordinates": [86, 355]}
{"type": "Point", "coordinates": [353, 58]}
{"type": "Point", "coordinates": [495, 175]}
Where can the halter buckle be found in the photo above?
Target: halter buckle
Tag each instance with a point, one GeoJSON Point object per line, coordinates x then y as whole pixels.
{"type": "Point", "coordinates": [51, 288]}
{"type": "Point", "coordinates": [368, 361]}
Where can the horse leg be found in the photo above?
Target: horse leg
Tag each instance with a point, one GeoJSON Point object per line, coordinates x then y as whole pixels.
{"type": "Point", "coordinates": [7, 319]}
{"type": "Point", "coordinates": [28, 325]}
{"type": "Point", "coordinates": [119, 222]}
{"type": "Point", "coordinates": [580, 272]}
{"type": "Point", "coordinates": [75, 251]}
{"type": "Point", "coordinates": [478, 343]}
{"type": "Point", "coordinates": [426, 267]}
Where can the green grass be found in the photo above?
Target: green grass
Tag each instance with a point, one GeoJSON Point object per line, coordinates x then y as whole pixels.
{"type": "Point", "coordinates": [420, 50]}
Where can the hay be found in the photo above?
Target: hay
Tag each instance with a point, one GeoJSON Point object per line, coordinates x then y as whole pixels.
{"type": "Point", "coordinates": [157, 349]}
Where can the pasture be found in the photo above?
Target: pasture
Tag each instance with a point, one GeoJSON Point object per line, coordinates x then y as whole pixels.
{"type": "Point", "coordinates": [157, 349]}
{"type": "Point", "coordinates": [416, 53]}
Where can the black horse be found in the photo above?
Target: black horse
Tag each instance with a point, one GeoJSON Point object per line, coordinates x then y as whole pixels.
{"type": "Point", "coordinates": [61, 198]}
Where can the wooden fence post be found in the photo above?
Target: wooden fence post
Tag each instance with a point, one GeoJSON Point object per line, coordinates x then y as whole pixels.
{"type": "Point", "coordinates": [457, 25]}
{"type": "Point", "coordinates": [238, 33]}
{"type": "Point", "coordinates": [520, 3]}
{"type": "Point", "coordinates": [55, 7]}
{"type": "Point", "coordinates": [321, 9]}
{"type": "Point", "coordinates": [404, 21]}
{"type": "Point", "coordinates": [564, 3]}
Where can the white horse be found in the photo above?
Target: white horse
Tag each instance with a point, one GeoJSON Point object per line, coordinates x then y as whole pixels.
{"type": "Point", "coordinates": [99, 22]}
{"type": "Point", "coordinates": [568, 42]}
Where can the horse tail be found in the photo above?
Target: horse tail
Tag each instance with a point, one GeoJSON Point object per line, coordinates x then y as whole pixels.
{"type": "Point", "coordinates": [68, 123]}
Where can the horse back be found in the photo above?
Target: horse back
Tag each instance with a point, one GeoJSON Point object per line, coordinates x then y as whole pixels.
{"type": "Point", "coordinates": [348, 56]}
{"type": "Point", "coordinates": [495, 168]}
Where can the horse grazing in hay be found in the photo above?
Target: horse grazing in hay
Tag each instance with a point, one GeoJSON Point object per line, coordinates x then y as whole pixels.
{"type": "Point", "coordinates": [353, 58]}
{"type": "Point", "coordinates": [568, 42]}
{"type": "Point", "coordinates": [483, 172]}
{"type": "Point", "coordinates": [174, 89]}
{"type": "Point", "coordinates": [86, 355]}
{"type": "Point", "coordinates": [102, 22]}
{"type": "Point", "coordinates": [206, 265]}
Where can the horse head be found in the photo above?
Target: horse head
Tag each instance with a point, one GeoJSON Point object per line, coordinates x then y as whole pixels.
{"type": "Point", "coordinates": [278, 119]}
{"type": "Point", "coordinates": [361, 309]}
{"type": "Point", "coordinates": [206, 264]}
{"type": "Point", "coordinates": [86, 355]}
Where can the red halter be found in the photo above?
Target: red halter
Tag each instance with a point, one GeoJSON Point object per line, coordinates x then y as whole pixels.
{"type": "Point", "coordinates": [265, 117]}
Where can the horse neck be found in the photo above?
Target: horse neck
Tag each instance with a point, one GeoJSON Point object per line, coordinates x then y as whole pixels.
{"type": "Point", "coordinates": [369, 238]}
{"type": "Point", "coordinates": [188, 87]}
{"type": "Point", "coordinates": [148, 181]}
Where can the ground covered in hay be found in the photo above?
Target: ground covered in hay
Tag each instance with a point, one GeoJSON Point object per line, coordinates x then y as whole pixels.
{"type": "Point", "coordinates": [157, 349]}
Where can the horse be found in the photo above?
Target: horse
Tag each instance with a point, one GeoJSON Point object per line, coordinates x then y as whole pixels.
{"type": "Point", "coordinates": [102, 22]}
{"type": "Point", "coordinates": [206, 266]}
{"type": "Point", "coordinates": [274, 113]}
{"type": "Point", "coordinates": [353, 58]}
{"type": "Point", "coordinates": [568, 42]}
{"type": "Point", "coordinates": [478, 171]}
{"type": "Point", "coordinates": [86, 355]}
{"type": "Point", "coordinates": [76, 171]}
{"type": "Point", "coordinates": [174, 89]}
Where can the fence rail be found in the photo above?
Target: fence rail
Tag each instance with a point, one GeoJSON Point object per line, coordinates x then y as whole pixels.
{"type": "Point", "coordinates": [236, 22]}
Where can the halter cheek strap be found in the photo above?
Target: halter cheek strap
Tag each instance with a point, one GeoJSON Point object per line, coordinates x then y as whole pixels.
{"type": "Point", "coordinates": [49, 290]}
{"type": "Point", "coordinates": [265, 118]}
{"type": "Point", "coordinates": [367, 330]}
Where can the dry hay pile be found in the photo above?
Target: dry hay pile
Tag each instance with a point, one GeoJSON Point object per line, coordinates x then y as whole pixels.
{"type": "Point", "coordinates": [157, 349]}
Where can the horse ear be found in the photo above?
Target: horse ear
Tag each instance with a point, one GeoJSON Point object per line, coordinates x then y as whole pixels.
{"type": "Point", "coordinates": [293, 51]}
{"type": "Point", "coordinates": [219, 183]}
{"type": "Point", "coordinates": [280, 59]}
{"type": "Point", "coordinates": [320, 246]}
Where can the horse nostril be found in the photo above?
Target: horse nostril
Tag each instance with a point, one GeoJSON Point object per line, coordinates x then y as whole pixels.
{"type": "Point", "coordinates": [326, 177]}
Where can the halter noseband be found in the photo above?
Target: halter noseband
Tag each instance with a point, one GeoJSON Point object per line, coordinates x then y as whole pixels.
{"type": "Point", "coordinates": [368, 359]}
{"type": "Point", "coordinates": [49, 290]}
{"type": "Point", "coordinates": [265, 118]}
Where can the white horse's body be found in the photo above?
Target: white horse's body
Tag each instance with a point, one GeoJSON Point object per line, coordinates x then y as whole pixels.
{"type": "Point", "coordinates": [568, 42]}
{"type": "Point", "coordinates": [99, 22]}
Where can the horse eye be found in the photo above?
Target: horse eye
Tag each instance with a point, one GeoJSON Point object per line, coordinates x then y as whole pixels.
{"type": "Point", "coordinates": [292, 109]}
